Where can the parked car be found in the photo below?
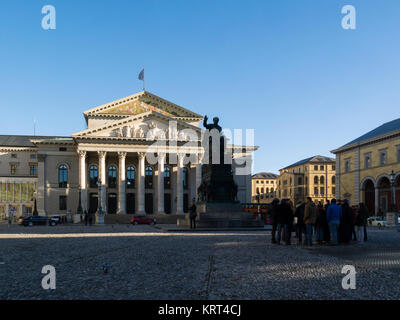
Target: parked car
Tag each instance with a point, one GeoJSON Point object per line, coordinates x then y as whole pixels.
{"type": "Point", "coordinates": [143, 220]}
{"type": "Point", "coordinates": [377, 221]}
{"type": "Point", "coordinates": [36, 220]}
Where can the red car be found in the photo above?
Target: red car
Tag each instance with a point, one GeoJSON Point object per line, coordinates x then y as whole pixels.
{"type": "Point", "coordinates": [143, 220]}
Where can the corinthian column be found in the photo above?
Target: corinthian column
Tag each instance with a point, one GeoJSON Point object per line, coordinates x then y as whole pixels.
{"type": "Point", "coordinates": [82, 179]}
{"type": "Point", "coordinates": [121, 183]}
{"type": "Point", "coordinates": [160, 181]}
{"type": "Point", "coordinates": [102, 171]}
{"type": "Point", "coordinates": [179, 185]}
{"type": "Point", "coordinates": [140, 183]}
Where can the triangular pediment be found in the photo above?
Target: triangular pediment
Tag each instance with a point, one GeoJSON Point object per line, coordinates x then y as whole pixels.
{"type": "Point", "coordinates": [140, 103]}
{"type": "Point", "coordinates": [138, 127]}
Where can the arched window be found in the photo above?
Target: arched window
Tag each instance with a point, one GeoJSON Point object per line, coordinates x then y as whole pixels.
{"type": "Point", "coordinates": [315, 180]}
{"type": "Point", "coordinates": [62, 176]}
{"type": "Point", "coordinates": [267, 190]}
{"type": "Point", "coordinates": [93, 176]}
{"type": "Point", "coordinates": [167, 178]}
{"type": "Point", "coordinates": [148, 182]}
{"type": "Point", "coordinates": [185, 174]}
{"type": "Point", "coordinates": [333, 180]}
{"type": "Point", "coordinates": [112, 177]}
{"type": "Point", "coordinates": [322, 179]}
{"type": "Point", "coordinates": [262, 190]}
{"type": "Point", "coordinates": [130, 177]}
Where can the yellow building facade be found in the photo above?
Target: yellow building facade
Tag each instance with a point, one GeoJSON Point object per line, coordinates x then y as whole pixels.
{"type": "Point", "coordinates": [263, 187]}
{"type": "Point", "coordinates": [313, 177]}
{"type": "Point", "coordinates": [365, 166]}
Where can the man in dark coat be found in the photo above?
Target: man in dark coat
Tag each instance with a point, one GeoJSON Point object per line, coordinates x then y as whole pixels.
{"type": "Point", "coordinates": [300, 226]}
{"type": "Point", "coordinates": [193, 215]}
{"type": "Point", "coordinates": [274, 211]}
{"type": "Point", "coordinates": [285, 221]}
{"type": "Point", "coordinates": [345, 230]}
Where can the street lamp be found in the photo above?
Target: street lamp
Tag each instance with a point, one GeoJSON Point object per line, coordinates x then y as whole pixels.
{"type": "Point", "coordinates": [392, 182]}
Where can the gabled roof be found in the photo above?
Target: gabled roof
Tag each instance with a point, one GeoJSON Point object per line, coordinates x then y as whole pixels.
{"type": "Point", "coordinates": [265, 175]}
{"type": "Point", "coordinates": [139, 103]}
{"type": "Point", "coordinates": [385, 129]}
{"type": "Point", "coordinates": [314, 159]}
{"type": "Point", "coordinates": [26, 141]}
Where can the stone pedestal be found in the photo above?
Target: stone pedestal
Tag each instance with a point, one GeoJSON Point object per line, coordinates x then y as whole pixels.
{"type": "Point", "coordinates": [221, 215]}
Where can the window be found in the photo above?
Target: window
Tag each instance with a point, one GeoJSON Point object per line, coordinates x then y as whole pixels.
{"type": "Point", "coordinates": [347, 165]}
{"type": "Point", "coordinates": [322, 180]}
{"type": "Point", "coordinates": [185, 173]}
{"type": "Point", "coordinates": [316, 190]}
{"type": "Point", "coordinates": [367, 160]}
{"type": "Point", "coordinates": [299, 180]}
{"type": "Point", "coordinates": [322, 191]}
{"type": "Point", "coordinates": [33, 156]}
{"type": "Point", "coordinates": [333, 180]}
{"type": "Point", "coordinates": [62, 176]}
{"type": "Point", "coordinates": [262, 181]}
{"type": "Point", "coordinates": [333, 167]}
{"type": "Point", "coordinates": [13, 155]}
{"type": "Point", "coordinates": [316, 180]}
{"type": "Point", "coordinates": [316, 168]}
{"type": "Point", "coordinates": [62, 149]}
{"type": "Point", "coordinates": [382, 157]}
{"type": "Point", "coordinates": [262, 190]}
{"type": "Point", "coordinates": [257, 190]}
{"type": "Point", "coordinates": [130, 177]}
{"type": "Point", "coordinates": [93, 176]}
{"type": "Point", "coordinates": [167, 178]}
{"type": "Point", "coordinates": [33, 170]}
{"type": "Point", "coordinates": [63, 203]}
{"type": "Point", "coordinates": [333, 190]}
{"type": "Point", "coordinates": [13, 168]}
{"type": "Point", "coordinates": [112, 176]}
{"type": "Point", "coordinates": [321, 168]}
{"type": "Point", "coordinates": [148, 181]}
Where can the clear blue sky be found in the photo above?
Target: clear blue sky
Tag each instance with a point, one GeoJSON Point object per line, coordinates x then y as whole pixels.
{"type": "Point", "coordinates": [283, 67]}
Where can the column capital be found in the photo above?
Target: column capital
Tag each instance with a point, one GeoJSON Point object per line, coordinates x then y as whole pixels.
{"type": "Point", "coordinates": [141, 155]}
{"type": "Point", "coordinates": [82, 153]}
{"type": "Point", "coordinates": [102, 154]}
{"type": "Point", "coordinates": [122, 154]}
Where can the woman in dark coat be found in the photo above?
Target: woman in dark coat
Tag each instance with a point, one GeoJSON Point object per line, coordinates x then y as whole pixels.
{"type": "Point", "coordinates": [345, 227]}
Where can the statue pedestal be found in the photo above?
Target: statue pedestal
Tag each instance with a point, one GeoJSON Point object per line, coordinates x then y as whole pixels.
{"type": "Point", "coordinates": [221, 215]}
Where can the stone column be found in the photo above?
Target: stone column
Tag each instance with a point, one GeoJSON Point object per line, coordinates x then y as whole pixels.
{"type": "Point", "coordinates": [82, 179]}
{"type": "Point", "coordinates": [376, 200]}
{"type": "Point", "coordinates": [102, 173]}
{"type": "Point", "coordinates": [179, 185]}
{"type": "Point", "coordinates": [198, 179]}
{"type": "Point", "coordinates": [121, 183]}
{"type": "Point", "coordinates": [41, 191]}
{"type": "Point", "coordinates": [160, 181]}
{"type": "Point", "coordinates": [140, 183]}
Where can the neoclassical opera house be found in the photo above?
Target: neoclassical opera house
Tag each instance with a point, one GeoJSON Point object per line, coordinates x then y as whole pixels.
{"type": "Point", "coordinates": [109, 159]}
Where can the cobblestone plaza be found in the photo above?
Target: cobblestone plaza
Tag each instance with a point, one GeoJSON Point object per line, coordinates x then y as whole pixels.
{"type": "Point", "coordinates": [148, 263]}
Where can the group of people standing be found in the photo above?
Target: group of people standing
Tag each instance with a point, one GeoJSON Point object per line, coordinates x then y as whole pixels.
{"type": "Point", "coordinates": [332, 223]}
{"type": "Point", "coordinates": [88, 218]}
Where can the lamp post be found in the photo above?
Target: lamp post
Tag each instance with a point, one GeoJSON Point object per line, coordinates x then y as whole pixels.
{"type": "Point", "coordinates": [392, 184]}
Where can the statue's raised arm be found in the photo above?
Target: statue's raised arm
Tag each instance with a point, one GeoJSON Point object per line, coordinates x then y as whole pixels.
{"type": "Point", "coordinates": [213, 125]}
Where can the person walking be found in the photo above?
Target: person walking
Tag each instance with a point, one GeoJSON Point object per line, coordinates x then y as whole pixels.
{"type": "Point", "coordinates": [310, 216]}
{"type": "Point", "coordinates": [86, 217]}
{"type": "Point", "coordinates": [193, 215]}
{"type": "Point", "coordinates": [300, 227]}
{"type": "Point", "coordinates": [274, 212]}
{"type": "Point", "coordinates": [333, 215]}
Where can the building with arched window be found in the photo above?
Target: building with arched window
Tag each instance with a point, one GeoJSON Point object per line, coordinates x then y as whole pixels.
{"type": "Point", "coordinates": [312, 177]}
{"type": "Point", "coordinates": [106, 164]}
{"type": "Point", "coordinates": [365, 166]}
{"type": "Point", "coordinates": [264, 186]}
